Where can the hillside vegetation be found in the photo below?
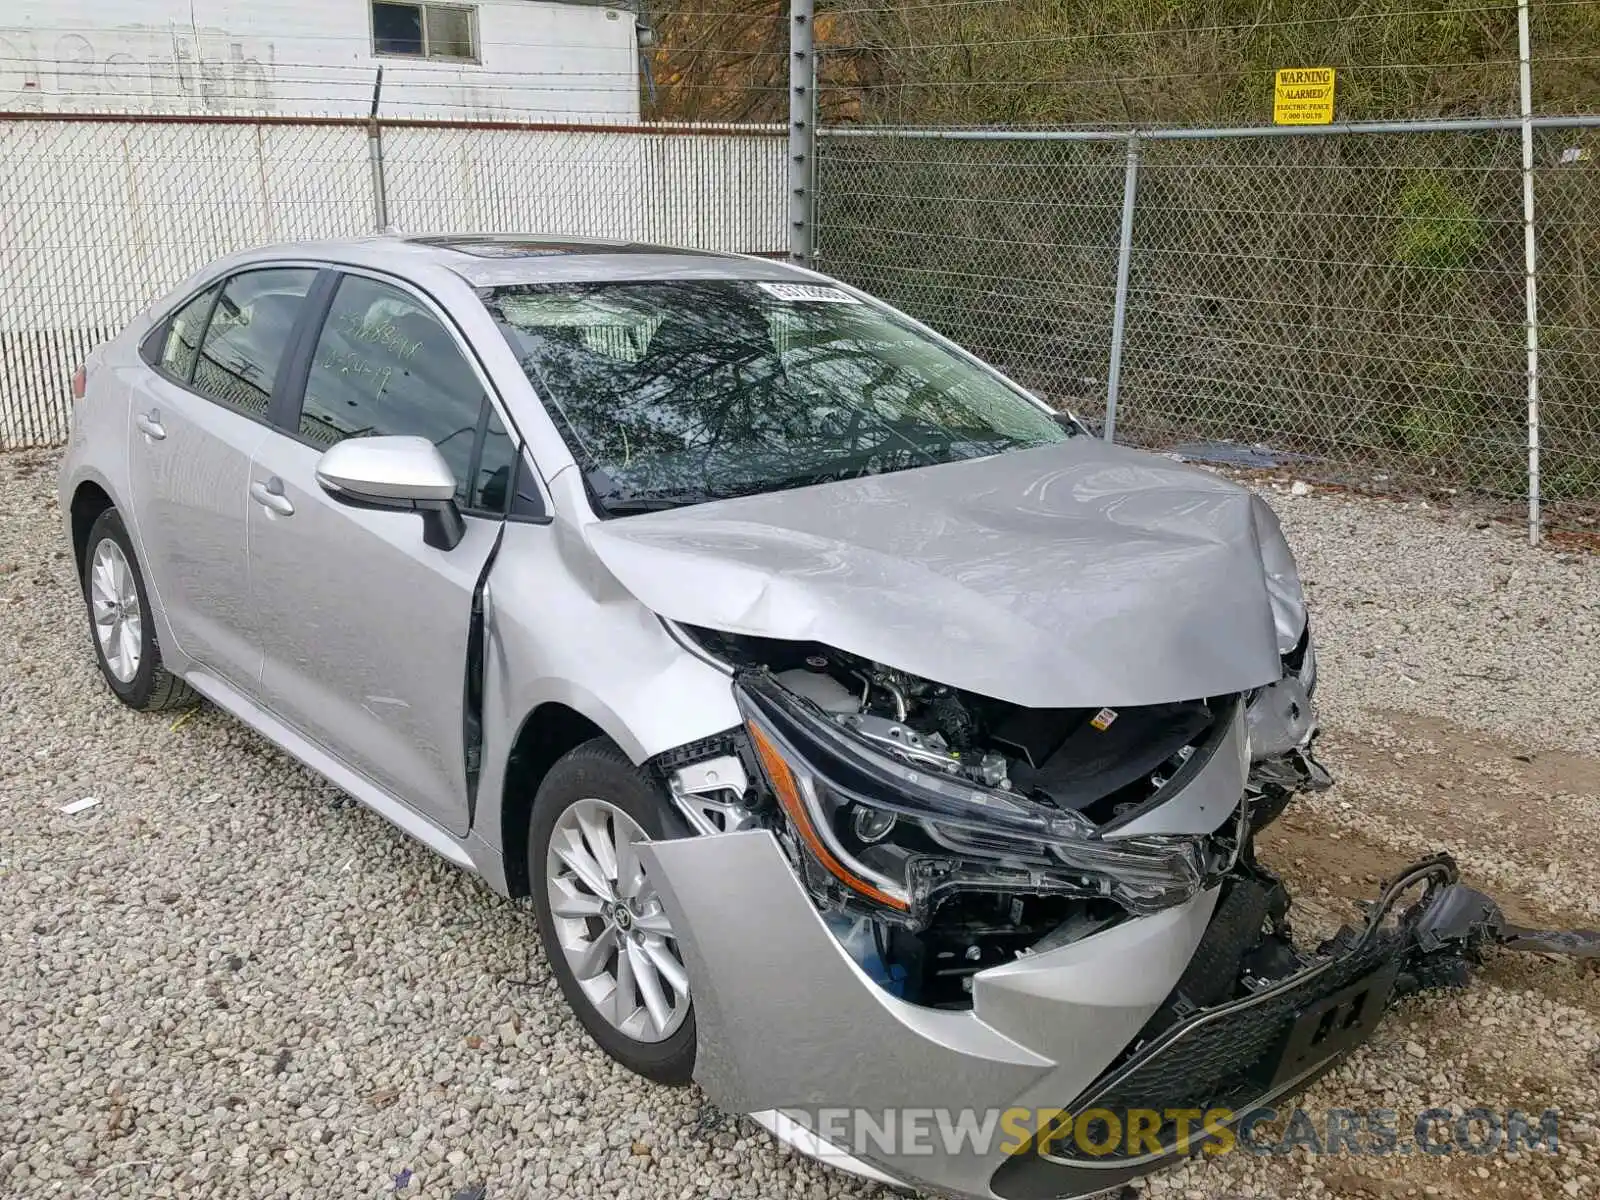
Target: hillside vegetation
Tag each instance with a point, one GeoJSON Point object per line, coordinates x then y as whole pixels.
{"type": "Point", "coordinates": [1118, 62]}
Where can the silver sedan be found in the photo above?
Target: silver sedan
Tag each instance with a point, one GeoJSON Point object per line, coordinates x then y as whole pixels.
{"type": "Point", "coordinates": [871, 740]}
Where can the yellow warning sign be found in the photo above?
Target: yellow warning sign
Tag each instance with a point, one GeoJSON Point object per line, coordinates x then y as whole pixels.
{"type": "Point", "coordinates": [1303, 96]}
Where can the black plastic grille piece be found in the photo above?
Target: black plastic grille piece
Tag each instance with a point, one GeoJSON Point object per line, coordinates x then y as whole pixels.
{"type": "Point", "coordinates": [1230, 1060]}
{"type": "Point", "coordinates": [1235, 1054]}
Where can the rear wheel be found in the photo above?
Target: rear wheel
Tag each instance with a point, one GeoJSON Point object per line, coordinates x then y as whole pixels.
{"type": "Point", "coordinates": [119, 620]}
{"type": "Point", "coordinates": [605, 933]}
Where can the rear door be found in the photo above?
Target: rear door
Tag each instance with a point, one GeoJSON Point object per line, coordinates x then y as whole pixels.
{"type": "Point", "coordinates": [197, 417]}
{"type": "Point", "coordinates": [363, 626]}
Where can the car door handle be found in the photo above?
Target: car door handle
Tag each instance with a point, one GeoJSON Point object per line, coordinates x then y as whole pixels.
{"type": "Point", "coordinates": [150, 425]}
{"type": "Point", "coordinates": [270, 496]}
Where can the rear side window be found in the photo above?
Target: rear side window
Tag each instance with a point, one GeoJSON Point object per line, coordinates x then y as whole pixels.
{"type": "Point", "coordinates": [180, 345]}
{"type": "Point", "coordinates": [384, 364]}
{"type": "Point", "coordinates": [245, 344]}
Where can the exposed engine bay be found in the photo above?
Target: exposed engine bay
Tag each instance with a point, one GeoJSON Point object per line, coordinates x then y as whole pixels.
{"type": "Point", "coordinates": [942, 832]}
{"type": "Point", "coordinates": [1104, 763]}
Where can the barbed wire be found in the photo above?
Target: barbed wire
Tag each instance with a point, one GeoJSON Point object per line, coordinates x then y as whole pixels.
{"type": "Point", "coordinates": [1173, 31]}
{"type": "Point", "coordinates": [898, 9]}
{"type": "Point", "coordinates": [206, 33]}
{"type": "Point", "coordinates": [1165, 76]}
{"type": "Point", "coordinates": [364, 87]}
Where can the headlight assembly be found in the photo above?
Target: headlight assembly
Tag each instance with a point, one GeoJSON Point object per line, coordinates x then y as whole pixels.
{"type": "Point", "coordinates": [894, 836]}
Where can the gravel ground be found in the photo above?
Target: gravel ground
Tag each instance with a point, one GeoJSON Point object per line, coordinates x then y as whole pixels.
{"type": "Point", "coordinates": [227, 979]}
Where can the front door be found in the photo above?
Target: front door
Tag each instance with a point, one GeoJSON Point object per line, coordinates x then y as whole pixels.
{"type": "Point", "coordinates": [197, 418]}
{"type": "Point", "coordinates": [363, 626]}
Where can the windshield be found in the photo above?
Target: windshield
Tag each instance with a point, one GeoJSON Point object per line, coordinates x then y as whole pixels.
{"type": "Point", "coordinates": [678, 392]}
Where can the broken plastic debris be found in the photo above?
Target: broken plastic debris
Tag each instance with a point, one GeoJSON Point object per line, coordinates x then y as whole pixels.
{"type": "Point", "coordinates": [78, 806]}
{"type": "Point", "coordinates": [1300, 488]}
{"type": "Point", "coordinates": [402, 1179]}
{"type": "Point", "coordinates": [1455, 919]}
{"type": "Point", "coordinates": [1573, 154]}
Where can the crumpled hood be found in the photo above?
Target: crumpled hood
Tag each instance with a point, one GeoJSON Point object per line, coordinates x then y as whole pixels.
{"type": "Point", "coordinates": [1074, 575]}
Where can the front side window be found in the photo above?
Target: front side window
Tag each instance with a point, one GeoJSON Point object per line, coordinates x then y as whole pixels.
{"type": "Point", "coordinates": [438, 31]}
{"type": "Point", "coordinates": [676, 392]}
{"type": "Point", "coordinates": [526, 499]}
{"type": "Point", "coordinates": [384, 364]}
{"type": "Point", "coordinates": [245, 343]}
{"type": "Point", "coordinates": [497, 462]}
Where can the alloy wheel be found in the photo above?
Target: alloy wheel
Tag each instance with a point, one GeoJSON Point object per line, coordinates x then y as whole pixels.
{"type": "Point", "coordinates": [611, 924]}
{"type": "Point", "coordinates": [118, 619]}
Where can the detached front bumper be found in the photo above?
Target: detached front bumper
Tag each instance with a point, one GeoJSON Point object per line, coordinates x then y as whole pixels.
{"type": "Point", "coordinates": [1189, 1008]}
{"type": "Point", "coordinates": [1212, 1063]}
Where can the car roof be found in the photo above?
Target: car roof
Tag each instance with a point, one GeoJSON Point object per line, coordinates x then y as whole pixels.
{"type": "Point", "coordinates": [490, 260]}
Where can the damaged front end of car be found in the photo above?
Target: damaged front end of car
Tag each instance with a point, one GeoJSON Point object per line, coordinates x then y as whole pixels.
{"type": "Point", "coordinates": [910, 896]}
{"type": "Point", "coordinates": [942, 833]}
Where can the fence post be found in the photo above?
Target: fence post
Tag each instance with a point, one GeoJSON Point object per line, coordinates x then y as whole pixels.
{"type": "Point", "coordinates": [1530, 252]}
{"type": "Point", "coordinates": [1119, 316]}
{"type": "Point", "coordinates": [802, 131]}
{"type": "Point", "coordinates": [380, 198]}
{"type": "Point", "coordinates": [813, 229]}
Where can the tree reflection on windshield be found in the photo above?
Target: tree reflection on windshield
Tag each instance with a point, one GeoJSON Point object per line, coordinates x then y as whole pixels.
{"type": "Point", "coordinates": [676, 392]}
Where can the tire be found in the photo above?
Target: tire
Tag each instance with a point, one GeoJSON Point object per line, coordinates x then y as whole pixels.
{"type": "Point", "coordinates": [590, 784]}
{"type": "Point", "coordinates": [147, 686]}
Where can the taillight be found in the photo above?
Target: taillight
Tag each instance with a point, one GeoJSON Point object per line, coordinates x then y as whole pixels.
{"type": "Point", "coordinates": [80, 383]}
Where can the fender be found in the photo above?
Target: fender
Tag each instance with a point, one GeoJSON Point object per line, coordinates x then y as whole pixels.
{"type": "Point", "coordinates": [639, 687]}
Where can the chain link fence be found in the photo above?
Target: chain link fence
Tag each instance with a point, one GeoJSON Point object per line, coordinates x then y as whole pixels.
{"type": "Point", "coordinates": [100, 216]}
{"type": "Point", "coordinates": [717, 187]}
{"type": "Point", "coordinates": [1083, 191]}
{"type": "Point", "coordinates": [1349, 300]}
{"type": "Point", "coordinates": [1567, 201]}
{"type": "Point", "coordinates": [1010, 247]}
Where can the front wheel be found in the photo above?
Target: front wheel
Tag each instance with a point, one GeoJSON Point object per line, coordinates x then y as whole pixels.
{"type": "Point", "coordinates": [605, 933]}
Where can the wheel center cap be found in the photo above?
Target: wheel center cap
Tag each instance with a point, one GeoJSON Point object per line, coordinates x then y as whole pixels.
{"type": "Point", "coordinates": [623, 917]}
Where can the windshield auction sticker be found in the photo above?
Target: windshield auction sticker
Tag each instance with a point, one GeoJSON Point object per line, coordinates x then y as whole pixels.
{"type": "Point", "coordinates": [808, 293]}
{"type": "Point", "coordinates": [1303, 96]}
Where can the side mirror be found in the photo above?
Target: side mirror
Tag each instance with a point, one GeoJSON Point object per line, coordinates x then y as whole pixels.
{"type": "Point", "coordinates": [399, 473]}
